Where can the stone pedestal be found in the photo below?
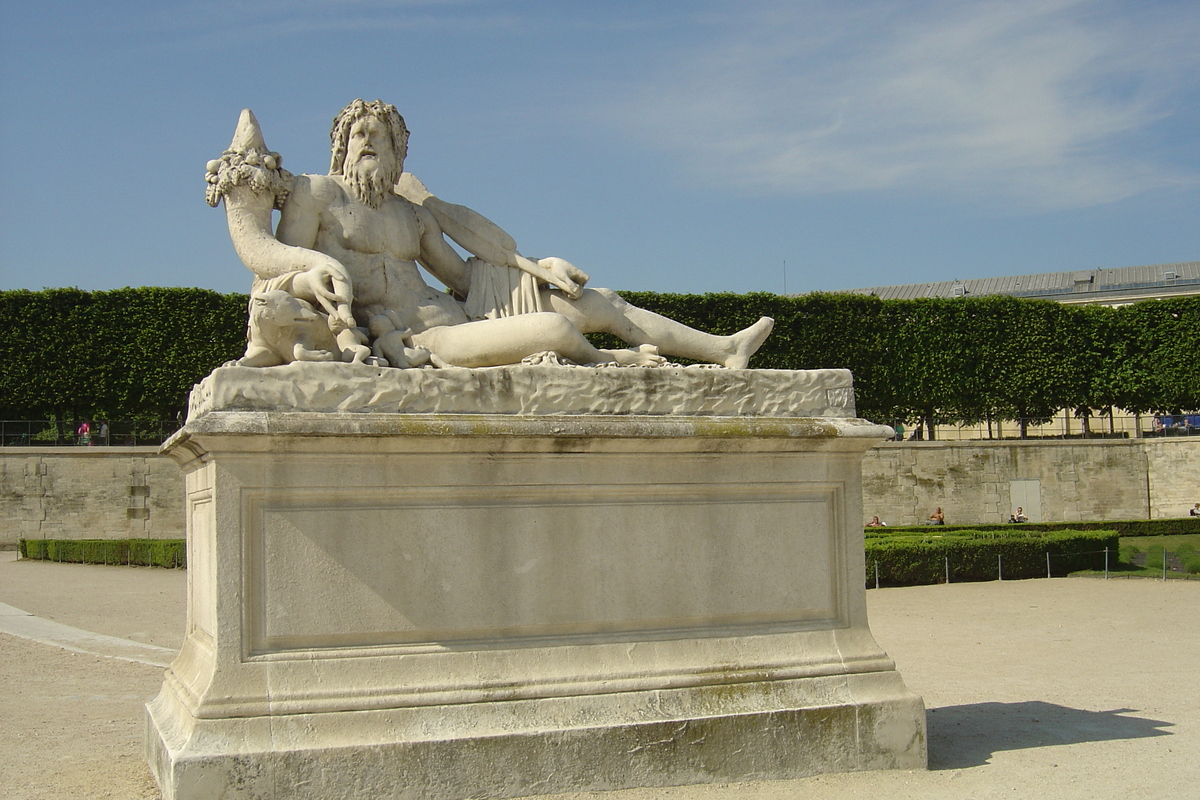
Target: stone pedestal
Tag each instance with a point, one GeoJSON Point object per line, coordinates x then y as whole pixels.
{"type": "Point", "coordinates": [445, 605]}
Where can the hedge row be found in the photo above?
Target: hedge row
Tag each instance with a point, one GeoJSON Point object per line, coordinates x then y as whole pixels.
{"type": "Point", "coordinates": [1124, 527]}
{"type": "Point", "coordinates": [171, 553]}
{"type": "Point", "coordinates": [921, 560]}
{"type": "Point", "coordinates": [971, 359]}
{"type": "Point", "coordinates": [125, 354]}
{"type": "Point", "coordinates": [135, 353]}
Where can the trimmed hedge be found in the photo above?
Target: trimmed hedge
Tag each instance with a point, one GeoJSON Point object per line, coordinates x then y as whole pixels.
{"type": "Point", "coordinates": [122, 354]}
{"type": "Point", "coordinates": [171, 553]}
{"type": "Point", "coordinates": [135, 353]}
{"type": "Point", "coordinates": [920, 559]}
{"type": "Point", "coordinates": [1125, 527]}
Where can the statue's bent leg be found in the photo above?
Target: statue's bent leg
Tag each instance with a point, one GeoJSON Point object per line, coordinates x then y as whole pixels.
{"type": "Point", "coordinates": [494, 342]}
{"type": "Point", "coordinates": [604, 311]}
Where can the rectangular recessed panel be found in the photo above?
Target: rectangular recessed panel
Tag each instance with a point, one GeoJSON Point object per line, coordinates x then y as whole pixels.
{"type": "Point", "coordinates": [201, 562]}
{"type": "Point", "coordinates": [444, 565]}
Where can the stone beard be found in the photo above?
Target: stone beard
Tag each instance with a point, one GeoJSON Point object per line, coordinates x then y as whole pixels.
{"type": "Point", "coordinates": [370, 181]}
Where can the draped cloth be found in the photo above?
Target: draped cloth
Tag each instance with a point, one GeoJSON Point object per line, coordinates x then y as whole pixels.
{"type": "Point", "coordinates": [498, 292]}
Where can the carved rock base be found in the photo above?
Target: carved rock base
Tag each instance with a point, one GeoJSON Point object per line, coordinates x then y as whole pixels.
{"type": "Point", "coordinates": [443, 607]}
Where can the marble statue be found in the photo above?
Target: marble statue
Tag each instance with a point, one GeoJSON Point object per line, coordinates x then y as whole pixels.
{"type": "Point", "coordinates": [348, 245]}
{"type": "Point", "coordinates": [532, 579]}
{"type": "Point", "coordinates": [284, 329]}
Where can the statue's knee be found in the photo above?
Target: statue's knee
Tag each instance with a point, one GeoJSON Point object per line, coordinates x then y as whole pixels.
{"type": "Point", "coordinates": [558, 326]}
{"type": "Point", "coordinates": [611, 296]}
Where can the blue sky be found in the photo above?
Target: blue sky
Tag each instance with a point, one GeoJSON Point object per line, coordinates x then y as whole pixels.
{"type": "Point", "coordinates": [667, 146]}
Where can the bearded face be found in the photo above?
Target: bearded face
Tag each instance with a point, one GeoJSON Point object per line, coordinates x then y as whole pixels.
{"type": "Point", "coordinates": [371, 168]}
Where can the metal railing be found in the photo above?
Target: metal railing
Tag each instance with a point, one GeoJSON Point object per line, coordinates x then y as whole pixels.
{"type": "Point", "coordinates": [1063, 426]}
{"type": "Point", "coordinates": [101, 433]}
{"type": "Point", "coordinates": [1174, 565]}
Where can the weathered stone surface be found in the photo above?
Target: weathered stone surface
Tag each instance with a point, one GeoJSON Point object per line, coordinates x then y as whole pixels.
{"type": "Point", "coordinates": [446, 606]}
{"type": "Point", "coordinates": [1173, 467]}
{"type": "Point", "coordinates": [76, 497]}
{"type": "Point", "coordinates": [1078, 480]}
{"type": "Point", "coordinates": [88, 493]}
{"type": "Point", "coordinates": [530, 390]}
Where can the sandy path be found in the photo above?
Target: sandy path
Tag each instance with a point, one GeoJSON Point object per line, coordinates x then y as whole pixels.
{"type": "Point", "coordinates": [1066, 688]}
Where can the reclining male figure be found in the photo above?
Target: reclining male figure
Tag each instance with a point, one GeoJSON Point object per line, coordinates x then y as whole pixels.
{"type": "Point", "coordinates": [375, 239]}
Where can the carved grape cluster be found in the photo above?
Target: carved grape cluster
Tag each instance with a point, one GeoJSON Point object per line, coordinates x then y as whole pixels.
{"type": "Point", "coordinates": [261, 170]}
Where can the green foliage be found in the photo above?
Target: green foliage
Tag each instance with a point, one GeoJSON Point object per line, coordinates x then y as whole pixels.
{"type": "Point", "coordinates": [965, 360]}
{"type": "Point", "coordinates": [171, 553]}
{"type": "Point", "coordinates": [128, 353]}
{"type": "Point", "coordinates": [1143, 557]}
{"type": "Point", "coordinates": [916, 559]}
{"type": "Point", "coordinates": [135, 353]}
{"type": "Point", "coordinates": [1164, 333]}
{"type": "Point", "coordinates": [1124, 527]}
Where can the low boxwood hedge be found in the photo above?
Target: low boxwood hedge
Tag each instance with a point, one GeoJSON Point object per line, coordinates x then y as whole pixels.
{"type": "Point", "coordinates": [918, 557]}
{"type": "Point", "coordinates": [1124, 527]}
{"type": "Point", "coordinates": [171, 553]}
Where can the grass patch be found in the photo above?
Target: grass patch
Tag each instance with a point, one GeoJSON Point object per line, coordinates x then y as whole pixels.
{"type": "Point", "coordinates": [1142, 557]}
{"type": "Point", "coordinates": [169, 553]}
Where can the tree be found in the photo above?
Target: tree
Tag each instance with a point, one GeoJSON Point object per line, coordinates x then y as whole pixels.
{"type": "Point", "coordinates": [1164, 373]}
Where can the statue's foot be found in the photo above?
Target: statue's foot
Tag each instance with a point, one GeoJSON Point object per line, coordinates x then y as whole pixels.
{"type": "Point", "coordinates": [644, 355]}
{"type": "Point", "coordinates": [745, 343]}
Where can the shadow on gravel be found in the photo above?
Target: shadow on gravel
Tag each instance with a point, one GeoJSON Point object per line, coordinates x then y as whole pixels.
{"type": "Point", "coordinates": [968, 736]}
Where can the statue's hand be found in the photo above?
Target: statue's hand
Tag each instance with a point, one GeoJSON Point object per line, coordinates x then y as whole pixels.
{"type": "Point", "coordinates": [329, 285]}
{"type": "Point", "coordinates": [565, 275]}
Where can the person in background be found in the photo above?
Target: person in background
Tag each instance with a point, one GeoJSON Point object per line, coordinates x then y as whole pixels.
{"type": "Point", "coordinates": [84, 432]}
{"type": "Point", "coordinates": [1194, 511]}
{"type": "Point", "coordinates": [875, 523]}
{"type": "Point", "coordinates": [1020, 515]}
{"type": "Point", "coordinates": [103, 432]}
{"type": "Point", "coordinates": [937, 517]}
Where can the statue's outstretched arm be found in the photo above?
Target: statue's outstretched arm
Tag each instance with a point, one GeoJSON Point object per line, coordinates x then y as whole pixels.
{"type": "Point", "coordinates": [252, 182]}
{"type": "Point", "coordinates": [481, 237]}
{"type": "Point", "coordinates": [437, 256]}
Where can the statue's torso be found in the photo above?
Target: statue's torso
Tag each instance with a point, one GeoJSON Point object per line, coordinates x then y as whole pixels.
{"type": "Point", "coordinates": [379, 248]}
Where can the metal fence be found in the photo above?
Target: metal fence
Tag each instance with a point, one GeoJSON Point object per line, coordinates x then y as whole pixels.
{"type": "Point", "coordinates": [1065, 425]}
{"type": "Point", "coordinates": [1112, 565]}
{"type": "Point", "coordinates": [100, 433]}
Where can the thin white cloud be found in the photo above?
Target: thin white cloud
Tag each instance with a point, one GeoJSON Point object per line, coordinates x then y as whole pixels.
{"type": "Point", "coordinates": [1037, 102]}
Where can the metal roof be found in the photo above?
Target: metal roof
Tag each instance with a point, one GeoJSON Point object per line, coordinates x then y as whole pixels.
{"type": "Point", "coordinates": [1117, 285]}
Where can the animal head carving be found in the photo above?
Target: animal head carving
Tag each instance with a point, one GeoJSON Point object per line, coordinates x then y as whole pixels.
{"type": "Point", "coordinates": [281, 309]}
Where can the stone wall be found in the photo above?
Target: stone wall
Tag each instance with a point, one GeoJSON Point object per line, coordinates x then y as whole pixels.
{"type": "Point", "coordinates": [89, 493]}
{"type": "Point", "coordinates": [973, 482]}
{"type": "Point", "coordinates": [131, 492]}
{"type": "Point", "coordinates": [1174, 482]}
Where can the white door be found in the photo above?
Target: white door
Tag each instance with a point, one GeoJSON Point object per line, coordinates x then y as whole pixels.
{"type": "Point", "coordinates": [1027, 495]}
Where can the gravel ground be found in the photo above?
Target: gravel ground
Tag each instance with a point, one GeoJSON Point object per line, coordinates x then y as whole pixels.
{"type": "Point", "coordinates": [1064, 688]}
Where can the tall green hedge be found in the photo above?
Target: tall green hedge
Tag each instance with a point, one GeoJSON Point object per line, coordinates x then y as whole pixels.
{"type": "Point", "coordinates": [124, 354]}
{"type": "Point", "coordinates": [966, 360]}
{"type": "Point", "coordinates": [135, 353]}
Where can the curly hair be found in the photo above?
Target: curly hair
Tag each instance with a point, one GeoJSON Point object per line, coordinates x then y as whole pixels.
{"type": "Point", "coordinates": [386, 113]}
